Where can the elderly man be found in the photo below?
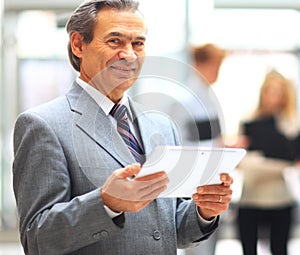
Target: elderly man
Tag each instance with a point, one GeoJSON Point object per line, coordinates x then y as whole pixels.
{"type": "Point", "coordinates": [76, 156]}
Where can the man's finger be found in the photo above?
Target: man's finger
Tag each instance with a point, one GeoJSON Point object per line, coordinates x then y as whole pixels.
{"type": "Point", "coordinates": [128, 171]}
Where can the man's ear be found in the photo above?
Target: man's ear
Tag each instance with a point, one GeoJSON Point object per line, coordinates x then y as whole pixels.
{"type": "Point", "coordinates": [76, 44]}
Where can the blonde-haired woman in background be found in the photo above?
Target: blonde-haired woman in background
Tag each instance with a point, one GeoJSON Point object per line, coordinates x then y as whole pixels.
{"type": "Point", "coordinates": [271, 137]}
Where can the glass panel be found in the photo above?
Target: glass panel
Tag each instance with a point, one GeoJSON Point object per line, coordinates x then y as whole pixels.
{"type": "Point", "coordinates": [166, 23]}
{"type": "Point", "coordinates": [42, 80]}
{"type": "Point", "coordinates": [247, 28]}
{"type": "Point", "coordinates": [36, 55]}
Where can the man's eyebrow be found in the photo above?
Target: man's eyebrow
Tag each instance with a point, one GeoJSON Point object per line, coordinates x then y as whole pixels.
{"type": "Point", "coordinates": [118, 34]}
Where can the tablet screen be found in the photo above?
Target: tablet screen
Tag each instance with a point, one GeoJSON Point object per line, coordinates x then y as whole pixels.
{"type": "Point", "coordinates": [189, 167]}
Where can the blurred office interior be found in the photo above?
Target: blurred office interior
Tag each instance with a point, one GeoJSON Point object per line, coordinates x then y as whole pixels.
{"type": "Point", "coordinates": [259, 35]}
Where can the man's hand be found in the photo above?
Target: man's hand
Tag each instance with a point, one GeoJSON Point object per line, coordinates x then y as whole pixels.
{"type": "Point", "coordinates": [123, 193]}
{"type": "Point", "coordinates": [212, 200]}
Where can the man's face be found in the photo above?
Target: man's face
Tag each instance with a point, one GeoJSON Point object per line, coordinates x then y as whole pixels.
{"type": "Point", "coordinates": [113, 60]}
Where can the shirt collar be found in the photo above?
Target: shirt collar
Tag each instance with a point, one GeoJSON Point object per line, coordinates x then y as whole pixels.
{"type": "Point", "coordinates": [103, 101]}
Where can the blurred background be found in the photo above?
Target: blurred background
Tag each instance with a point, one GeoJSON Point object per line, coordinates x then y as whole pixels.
{"type": "Point", "coordinates": [259, 35]}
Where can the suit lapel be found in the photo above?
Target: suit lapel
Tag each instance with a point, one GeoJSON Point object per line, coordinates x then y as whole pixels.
{"type": "Point", "coordinates": [91, 119]}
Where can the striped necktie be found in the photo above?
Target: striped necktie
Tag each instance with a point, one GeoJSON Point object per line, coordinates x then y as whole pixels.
{"type": "Point", "coordinates": [119, 112]}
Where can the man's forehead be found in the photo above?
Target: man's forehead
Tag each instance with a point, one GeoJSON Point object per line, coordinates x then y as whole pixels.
{"type": "Point", "coordinates": [115, 15]}
{"type": "Point", "coordinates": [123, 22]}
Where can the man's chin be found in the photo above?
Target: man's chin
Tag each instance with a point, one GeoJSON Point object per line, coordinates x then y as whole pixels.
{"type": "Point", "coordinates": [124, 83]}
{"type": "Point", "coordinates": [120, 84]}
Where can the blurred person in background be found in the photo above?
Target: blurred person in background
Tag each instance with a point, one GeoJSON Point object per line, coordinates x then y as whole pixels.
{"type": "Point", "coordinates": [271, 135]}
{"type": "Point", "coordinates": [197, 113]}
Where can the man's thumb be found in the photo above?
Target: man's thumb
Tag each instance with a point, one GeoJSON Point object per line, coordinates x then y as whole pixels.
{"type": "Point", "coordinates": [130, 171]}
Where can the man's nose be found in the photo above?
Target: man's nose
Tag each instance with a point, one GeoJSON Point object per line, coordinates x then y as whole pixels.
{"type": "Point", "coordinates": [128, 54]}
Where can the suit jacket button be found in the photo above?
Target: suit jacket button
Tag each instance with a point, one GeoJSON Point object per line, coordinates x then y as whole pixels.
{"type": "Point", "coordinates": [97, 236]}
{"type": "Point", "coordinates": [104, 233]}
{"type": "Point", "coordinates": [156, 235]}
{"type": "Point", "coordinates": [101, 234]}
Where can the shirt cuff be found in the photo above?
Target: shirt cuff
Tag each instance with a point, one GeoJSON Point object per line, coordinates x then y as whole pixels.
{"type": "Point", "coordinates": [203, 222]}
{"type": "Point", "coordinates": [111, 213]}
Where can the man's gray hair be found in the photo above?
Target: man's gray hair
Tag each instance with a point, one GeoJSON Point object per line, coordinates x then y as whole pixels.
{"type": "Point", "coordinates": [84, 20]}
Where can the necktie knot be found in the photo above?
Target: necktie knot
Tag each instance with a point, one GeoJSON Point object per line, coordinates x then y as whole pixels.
{"type": "Point", "coordinates": [119, 112]}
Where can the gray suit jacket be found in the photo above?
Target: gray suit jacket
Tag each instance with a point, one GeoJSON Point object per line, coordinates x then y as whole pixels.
{"type": "Point", "coordinates": [64, 151]}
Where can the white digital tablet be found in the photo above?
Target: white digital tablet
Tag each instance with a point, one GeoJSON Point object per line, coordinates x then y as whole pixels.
{"type": "Point", "coordinates": [189, 167]}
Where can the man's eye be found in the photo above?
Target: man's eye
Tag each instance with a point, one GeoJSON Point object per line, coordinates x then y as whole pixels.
{"type": "Point", "coordinates": [114, 41]}
{"type": "Point", "coordinates": [138, 45]}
